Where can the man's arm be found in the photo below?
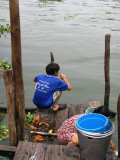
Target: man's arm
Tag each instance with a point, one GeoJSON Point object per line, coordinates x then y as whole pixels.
{"type": "Point", "coordinates": [63, 77]}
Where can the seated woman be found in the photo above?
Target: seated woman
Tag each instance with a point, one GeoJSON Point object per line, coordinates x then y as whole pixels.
{"type": "Point", "coordinates": [66, 134]}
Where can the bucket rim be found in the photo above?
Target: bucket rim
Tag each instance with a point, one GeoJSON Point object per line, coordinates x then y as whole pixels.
{"type": "Point", "coordinates": [88, 116]}
{"type": "Point", "coordinates": [96, 135]}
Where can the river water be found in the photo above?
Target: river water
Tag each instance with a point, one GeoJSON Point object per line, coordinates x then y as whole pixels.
{"type": "Point", "coordinates": [75, 32]}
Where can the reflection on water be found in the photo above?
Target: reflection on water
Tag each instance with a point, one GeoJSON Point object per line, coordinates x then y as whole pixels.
{"type": "Point", "coordinates": [77, 43]}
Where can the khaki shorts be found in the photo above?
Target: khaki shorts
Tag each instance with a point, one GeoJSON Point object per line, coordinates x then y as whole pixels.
{"type": "Point", "coordinates": [55, 95]}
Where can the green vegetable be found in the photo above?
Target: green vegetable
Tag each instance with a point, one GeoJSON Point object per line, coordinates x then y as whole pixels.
{"type": "Point", "coordinates": [3, 132]}
{"type": "Point", "coordinates": [4, 64]}
{"type": "Point", "coordinates": [29, 118]}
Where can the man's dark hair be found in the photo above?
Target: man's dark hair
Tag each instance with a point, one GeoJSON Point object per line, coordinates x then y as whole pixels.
{"type": "Point", "coordinates": [52, 68]}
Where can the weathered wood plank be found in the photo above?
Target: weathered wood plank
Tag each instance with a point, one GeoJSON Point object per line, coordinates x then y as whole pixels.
{"type": "Point", "coordinates": [72, 110]}
{"type": "Point", "coordinates": [94, 104]}
{"type": "Point", "coordinates": [76, 109]}
{"type": "Point", "coordinates": [7, 148]}
{"type": "Point", "coordinates": [80, 108]}
{"type": "Point", "coordinates": [7, 151]}
{"type": "Point", "coordinates": [61, 116]}
{"type": "Point", "coordinates": [17, 69]}
{"type": "Point", "coordinates": [30, 151]}
{"type": "Point", "coordinates": [62, 152]}
{"type": "Point", "coordinates": [46, 114]}
{"type": "Point", "coordinates": [107, 70]}
{"type": "Point", "coordinates": [43, 113]}
{"type": "Point", "coordinates": [8, 80]}
{"type": "Point", "coordinates": [41, 151]}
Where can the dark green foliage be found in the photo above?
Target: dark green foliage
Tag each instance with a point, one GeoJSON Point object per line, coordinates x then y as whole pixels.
{"type": "Point", "coordinates": [29, 117]}
{"type": "Point", "coordinates": [4, 28]}
{"type": "Point", "coordinates": [3, 132]}
{"type": "Point", "coordinates": [4, 64]}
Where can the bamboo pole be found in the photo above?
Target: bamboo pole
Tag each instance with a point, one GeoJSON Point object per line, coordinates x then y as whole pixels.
{"type": "Point", "coordinates": [106, 70]}
{"type": "Point", "coordinates": [118, 122]}
{"type": "Point", "coordinates": [8, 80]}
{"type": "Point", "coordinates": [43, 133]}
{"type": "Point", "coordinates": [17, 69]}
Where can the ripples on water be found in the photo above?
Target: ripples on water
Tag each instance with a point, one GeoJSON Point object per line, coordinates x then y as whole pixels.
{"type": "Point", "coordinates": [86, 13]}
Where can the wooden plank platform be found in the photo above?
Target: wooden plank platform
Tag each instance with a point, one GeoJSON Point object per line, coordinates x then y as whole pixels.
{"type": "Point", "coordinates": [55, 151]}
{"type": "Point", "coordinates": [7, 151]}
{"type": "Point", "coordinates": [42, 151]}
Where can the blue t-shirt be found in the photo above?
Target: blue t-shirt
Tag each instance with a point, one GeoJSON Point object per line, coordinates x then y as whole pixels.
{"type": "Point", "coordinates": [45, 87]}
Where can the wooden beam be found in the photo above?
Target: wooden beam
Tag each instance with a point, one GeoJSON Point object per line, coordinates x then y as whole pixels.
{"type": "Point", "coordinates": [8, 80]}
{"type": "Point", "coordinates": [107, 70]}
{"type": "Point", "coordinates": [94, 104]}
{"type": "Point", "coordinates": [7, 151]}
{"type": "Point", "coordinates": [7, 148]}
{"type": "Point", "coordinates": [43, 151]}
{"type": "Point", "coordinates": [17, 69]}
{"type": "Point", "coordinates": [4, 109]}
{"type": "Point", "coordinates": [118, 122]}
{"type": "Point", "coordinates": [43, 133]}
{"type": "Point", "coordinates": [30, 151]}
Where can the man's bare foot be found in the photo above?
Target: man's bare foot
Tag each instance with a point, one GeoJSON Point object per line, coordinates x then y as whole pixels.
{"type": "Point", "coordinates": [55, 107]}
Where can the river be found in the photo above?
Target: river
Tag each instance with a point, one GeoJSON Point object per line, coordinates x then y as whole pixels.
{"type": "Point", "coordinates": [75, 32]}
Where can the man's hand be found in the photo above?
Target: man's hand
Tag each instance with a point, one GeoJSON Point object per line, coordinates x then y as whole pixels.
{"type": "Point", "coordinates": [62, 76]}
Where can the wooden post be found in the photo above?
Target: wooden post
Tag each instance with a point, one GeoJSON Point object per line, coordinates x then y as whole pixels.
{"type": "Point", "coordinates": [17, 69]}
{"type": "Point", "coordinates": [106, 70]}
{"type": "Point", "coordinates": [52, 57]}
{"type": "Point", "coordinates": [118, 122]}
{"type": "Point", "coordinates": [8, 80]}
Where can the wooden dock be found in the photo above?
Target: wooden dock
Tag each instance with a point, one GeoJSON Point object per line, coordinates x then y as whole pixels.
{"type": "Point", "coordinates": [44, 151]}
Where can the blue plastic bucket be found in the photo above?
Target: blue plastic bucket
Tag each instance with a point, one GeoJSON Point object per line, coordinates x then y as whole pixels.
{"type": "Point", "coordinates": [109, 126]}
{"type": "Point", "coordinates": [94, 134]}
{"type": "Point", "coordinates": [90, 143]}
{"type": "Point", "coordinates": [93, 122]}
